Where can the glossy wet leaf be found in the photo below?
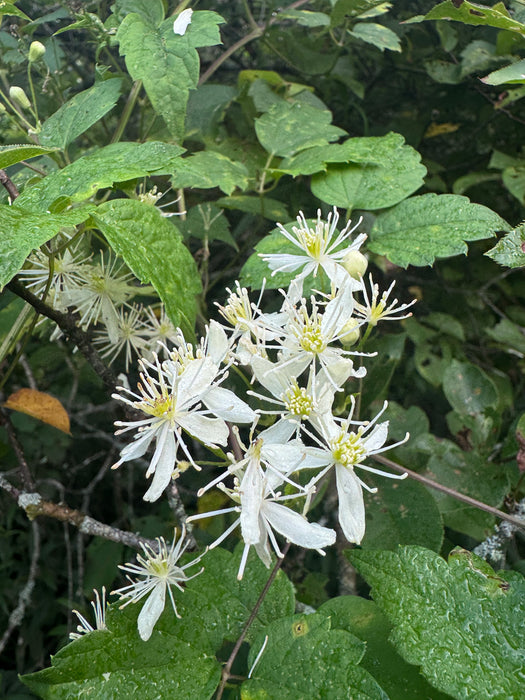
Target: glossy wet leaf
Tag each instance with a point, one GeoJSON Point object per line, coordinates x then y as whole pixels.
{"type": "Point", "coordinates": [9, 155]}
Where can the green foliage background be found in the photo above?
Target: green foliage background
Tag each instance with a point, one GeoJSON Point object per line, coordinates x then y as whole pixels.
{"type": "Point", "coordinates": [416, 124]}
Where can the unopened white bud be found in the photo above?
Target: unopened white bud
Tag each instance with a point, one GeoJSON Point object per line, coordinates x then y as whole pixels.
{"type": "Point", "coordinates": [18, 95]}
{"type": "Point", "coordinates": [350, 332]}
{"type": "Point", "coordinates": [36, 51]}
{"type": "Point", "coordinates": [355, 264]}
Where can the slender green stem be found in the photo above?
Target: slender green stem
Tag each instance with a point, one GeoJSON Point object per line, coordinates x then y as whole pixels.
{"type": "Point", "coordinates": [127, 111]}
{"type": "Point", "coordinates": [33, 95]}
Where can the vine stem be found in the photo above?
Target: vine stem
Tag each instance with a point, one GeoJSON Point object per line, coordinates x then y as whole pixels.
{"type": "Point", "coordinates": [226, 671]}
{"type": "Point", "coordinates": [254, 34]}
{"type": "Point", "coordinates": [518, 522]}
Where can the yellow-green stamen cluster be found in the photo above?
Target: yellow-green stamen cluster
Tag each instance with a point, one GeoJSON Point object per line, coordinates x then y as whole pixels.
{"type": "Point", "coordinates": [348, 449]}
{"type": "Point", "coordinates": [298, 401]}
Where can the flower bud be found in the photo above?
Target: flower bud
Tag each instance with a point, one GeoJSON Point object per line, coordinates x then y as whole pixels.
{"type": "Point", "coordinates": [18, 95]}
{"type": "Point", "coordinates": [350, 332]}
{"type": "Point", "coordinates": [36, 51]}
{"type": "Point", "coordinates": [355, 264]}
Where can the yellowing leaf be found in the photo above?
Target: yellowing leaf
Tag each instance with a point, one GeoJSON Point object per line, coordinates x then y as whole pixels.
{"type": "Point", "coordinates": [41, 406]}
{"type": "Point", "coordinates": [439, 129]}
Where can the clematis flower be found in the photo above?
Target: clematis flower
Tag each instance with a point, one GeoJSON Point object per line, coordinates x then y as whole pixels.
{"type": "Point", "coordinates": [157, 571]}
{"type": "Point", "coordinates": [99, 606]}
{"type": "Point", "coordinates": [261, 510]}
{"type": "Point", "coordinates": [171, 396]}
{"type": "Point", "coordinates": [320, 248]}
{"type": "Point", "coordinates": [374, 310]}
{"type": "Point", "coordinates": [346, 450]}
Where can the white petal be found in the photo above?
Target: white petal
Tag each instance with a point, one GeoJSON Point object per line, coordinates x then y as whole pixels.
{"type": "Point", "coordinates": [272, 377]}
{"type": "Point", "coordinates": [225, 404]}
{"type": "Point", "coordinates": [212, 431]}
{"type": "Point", "coordinates": [377, 437]}
{"type": "Point", "coordinates": [286, 458]}
{"type": "Point", "coordinates": [194, 380]}
{"type": "Point", "coordinates": [296, 527]}
{"type": "Point", "coordinates": [182, 22]}
{"type": "Point", "coordinates": [151, 611]}
{"type": "Point", "coordinates": [218, 344]}
{"type": "Point", "coordinates": [165, 455]}
{"type": "Point", "coordinates": [351, 504]}
{"type": "Point", "coordinates": [281, 431]}
{"type": "Point", "coordinates": [251, 490]}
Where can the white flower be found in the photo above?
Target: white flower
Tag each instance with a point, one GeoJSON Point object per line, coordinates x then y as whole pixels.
{"type": "Point", "coordinates": [159, 329]}
{"type": "Point", "coordinates": [104, 289]}
{"type": "Point", "coordinates": [132, 336]}
{"type": "Point", "coordinates": [307, 337]}
{"type": "Point", "coordinates": [99, 606]}
{"type": "Point", "coordinates": [260, 506]}
{"type": "Point", "coordinates": [158, 571]}
{"type": "Point", "coordinates": [182, 22]}
{"type": "Point", "coordinates": [347, 449]}
{"type": "Point", "coordinates": [172, 400]}
{"type": "Point", "coordinates": [320, 247]}
{"type": "Point", "coordinates": [373, 311]}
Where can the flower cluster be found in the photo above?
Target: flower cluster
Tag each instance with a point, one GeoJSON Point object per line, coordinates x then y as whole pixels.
{"type": "Point", "coordinates": [100, 293]}
{"type": "Point", "coordinates": [298, 359]}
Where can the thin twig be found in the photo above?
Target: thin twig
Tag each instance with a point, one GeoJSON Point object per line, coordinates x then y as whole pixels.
{"type": "Point", "coordinates": [10, 186]}
{"type": "Point", "coordinates": [452, 492]}
{"type": "Point", "coordinates": [226, 671]}
{"type": "Point", "coordinates": [24, 597]}
{"type": "Point", "coordinates": [25, 472]}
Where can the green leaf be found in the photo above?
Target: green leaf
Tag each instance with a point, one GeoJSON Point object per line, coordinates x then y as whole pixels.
{"type": "Point", "coordinates": [515, 73]}
{"type": "Point", "coordinates": [153, 249]}
{"type": "Point", "coordinates": [207, 221]}
{"type": "Point", "coordinates": [421, 229]}
{"type": "Point", "coordinates": [401, 512]}
{"type": "Point", "coordinates": [469, 473]}
{"type": "Point", "coordinates": [392, 171]}
{"type": "Point", "coordinates": [351, 9]}
{"type": "Point", "coordinates": [313, 160]}
{"type": "Point", "coordinates": [305, 658]}
{"type": "Point", "coordinates": [9, 155]}
{"type": "Point", "coordinates": [206, 107]}
{"type": "Point", "coordinates": [23, 231]}
{"type": "Point", "coordinates": [178, 661]}
{"type": "Point", "coordinates": [258, 206]}
{"type": "Point", "coordinates": [208, 169]}
{"type": "Point", "coordinates": [509, 335]}
{"type": "Point", "coordinates": [364, 619]}
{"type": "Point", "coordinates": [471, 13]}
{"type": "Point", "coordinates": [377, 35]}
{"type": "Point", "coordinates": [306, 18]}
{"type": "Point", "coordinates": [514, 181]}
{"type": "Point", "coordinates": [151, 11]}
{"type": "Point", "coordinates": [117, 162]}
{"type": "Point", "coordinates": [167, 63]}
{"type": "Point", "coordinates": [288, 128]}
{"type": "Point", "coordinates": [7, 8]}
{"type": "Point", "coordinates": [468, 389]}
{"type": "Point", "coordinates": [79, 113]}
{"type": "Point", "coordinates": [443, 71]}
{"type": "Point", "coordinates": [465, 624]}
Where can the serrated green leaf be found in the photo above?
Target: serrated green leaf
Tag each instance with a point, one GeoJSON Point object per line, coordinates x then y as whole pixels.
{"type": "Point", "coordinates": [259, 206]}
{"type": "Point", "coordinates": [421, 229]}
{"type": "Point", "coordinates": [401, 513]}
{"type": "Point", "coordinates": [472, 13]}
{"type": "Point", "coordinates": [23, 231]}
{"type": "Point", "coordinates": [288, 128]}
{"type": "Point", "coordinates": [167, 63]}
{"type": "Point", "coordinates": [465, 624]}
{"type": "Point", "coordinates": [153, 249]}
{"type": "Point", "coordinates": [391, 172]}
{"type": "Point", "coordinates": [515, 73]}
{"type": "Point", "coordinates": [313, 160]}
{"type": "Point", "coordinates": [377, 35]}
{"type": "Point", "coordinates": [207, 169]}
{"type": "Point", "coordinates": [206, 107]}
{"type": "Point", "coordinates": [468, 389]}
{"type": "Point", "coordinates": [319, 662]}
{"type": "Point", "coordinates": [79, 113]}
{"type": "Point", "coordinates": [9, 155]}
{"type": "Point", "coordinates": [117, 162]}
{"type": "Point", "coordinates": [364, 619]}
{"type": "Point", "coordinates": [509, 335]}
{"type": "Point", "coordinates": [152, 11]}
{"type": "Point", "coordinates": [179, 658]}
